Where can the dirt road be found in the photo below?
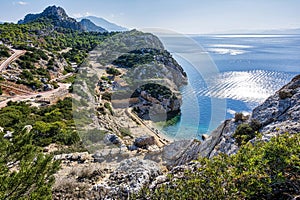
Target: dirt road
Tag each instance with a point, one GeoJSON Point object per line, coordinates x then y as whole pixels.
{"type": "Point", "coordinates": [46, 94]}
{"type": "Point", "coordinates": [17, 53]}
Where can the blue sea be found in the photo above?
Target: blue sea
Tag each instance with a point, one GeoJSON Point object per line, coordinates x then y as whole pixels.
{"type": "Point", "coordinates": [228, 74]}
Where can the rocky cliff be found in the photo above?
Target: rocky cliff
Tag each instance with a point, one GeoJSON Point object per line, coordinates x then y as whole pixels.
{"type": "Point", "coordinates": [277, 115]}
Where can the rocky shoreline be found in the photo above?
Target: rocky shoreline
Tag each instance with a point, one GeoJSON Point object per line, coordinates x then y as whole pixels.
{"type": "Point", "coordinates": [131, 154]}
{"type": "Point", "coordinates": [132, 171]}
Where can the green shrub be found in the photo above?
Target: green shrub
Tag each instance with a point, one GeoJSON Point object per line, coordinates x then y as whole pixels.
{"type": "Point", "coordinates": [106, 96]}
{"type": "Point", "coordinates": [283, 94]}
{"type": "Point", "coordinates": [265, 170]}
{"type": "Point", "coordinates": [243, 134]}
{"type": "Point", "coordinates": [113, 71]}
{"type": "Point", "coordinates": [108, 106]}
{"type": "Point", "coordinates": [32, 177]}
{"type": "Point", "coordinates": [125, 132]}
{"type": "Point", "coordinates": [246, 132]}
{"type": "Point", "coordinates": [238, 117]}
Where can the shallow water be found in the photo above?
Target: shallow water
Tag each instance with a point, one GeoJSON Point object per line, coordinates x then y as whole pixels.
{"type": "Point", "coordinates": [239, 72]}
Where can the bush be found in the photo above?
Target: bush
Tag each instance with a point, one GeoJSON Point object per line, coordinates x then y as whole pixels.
{"type": "Point", "coordinates": [246, 132]}
{"type": "Point", "coordinates": [238, 117]}
{"type": "Point", "coordinates": [25, 172]}
{"type": "Point", "coordinates": [243, 134]}
{"type": "Point", "coordinates": [106, 96]}
{"type": "Point", "coordinates": [113, 71]}
{"type": "Point", "coordinates": [283, 94]}
{"type": "Point", "coordinates": [125, 132]}
{"type": "Point", "coordinates": [265, 170]}
{"type": "Point", "coordinates": [108, 106]}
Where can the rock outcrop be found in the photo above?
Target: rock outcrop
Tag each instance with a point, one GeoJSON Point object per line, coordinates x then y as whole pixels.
{"type": "Point", "coordinates": [144, 141]}
{"type": "Point", "coordinates": [130, 177]}
{"type": "Point", "coordinates": [280, 113]}
{"type": "Point", "coordinates": [59, 18]}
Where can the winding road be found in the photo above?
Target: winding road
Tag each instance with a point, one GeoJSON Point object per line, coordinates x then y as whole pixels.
{"type": "Point", "coordinates": [17, 53]}
{"type": "Point", "coordinates": [46, 94]}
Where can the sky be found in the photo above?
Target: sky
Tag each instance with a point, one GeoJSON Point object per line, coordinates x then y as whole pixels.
{"type": "Point", "coordinates": [182, 16]}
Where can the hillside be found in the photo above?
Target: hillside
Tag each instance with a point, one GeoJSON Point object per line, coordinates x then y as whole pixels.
{"type": "Point", "coordinates": [90, 26]}
{"type": "Point", "coordinates": [77, 107]}
{"type": "Point", "coordinates": [58, 17]}
{"type": "Point", "coordinates": [262, 150]}
{"type": "Point", "coordinates": [60, 91]}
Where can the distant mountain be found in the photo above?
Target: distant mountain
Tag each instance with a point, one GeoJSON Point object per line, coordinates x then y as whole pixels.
{"type": "Point", "coordinates": [59, 18]}
{"type": "Point", "coordinates": [105, 24]}
{"type": "Point", "coordinates": [88, 25]}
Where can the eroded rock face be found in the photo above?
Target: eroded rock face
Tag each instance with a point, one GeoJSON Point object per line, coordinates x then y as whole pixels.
{"type": "Point", "coordinates": [180, 152]}
{"type": "Point", "coordinates": [131, 175]}
{"type": "Point", "coordinates": [281, 112]}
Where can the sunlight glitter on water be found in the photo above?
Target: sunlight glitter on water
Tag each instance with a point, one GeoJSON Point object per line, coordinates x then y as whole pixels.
{"type": "Point", "coordinates": [249, 86]}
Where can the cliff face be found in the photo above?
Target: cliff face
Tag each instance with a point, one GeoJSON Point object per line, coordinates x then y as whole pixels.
{"type": "Point", "coordinates": [150, 74]}
{"type": "Point", "coordinates": [279, 114]}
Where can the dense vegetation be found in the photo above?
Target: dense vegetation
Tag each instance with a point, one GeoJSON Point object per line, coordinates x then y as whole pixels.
{"type": "Point", "coordinates": [4, 52]}
{"type": "Point", "coordinates": [25, 172]}
{"type": "Point", "coordinates": [265, 170]}
{"type": "Point", "coordinates": [246, 131]}
{"type": "Point", "coordinates": [48, 49]}
{"type": "Point", "coordinates": [139, 57]}
{"type": "Point", "coordinates": [45, 36]}
{"type": "Point", "coordinates": [123, 43]}
{"type": "Point", "coordinates": [53, 124]}
{"type": "Point", "coordinates": [155, 90]}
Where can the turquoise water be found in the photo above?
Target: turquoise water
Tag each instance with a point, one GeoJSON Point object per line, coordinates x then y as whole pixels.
{"type": "Point", "coordinates": [245, 70]}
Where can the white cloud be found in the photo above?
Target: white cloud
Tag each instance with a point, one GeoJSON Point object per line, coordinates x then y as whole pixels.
{"type": "Point", "coordinates": [22, 3]}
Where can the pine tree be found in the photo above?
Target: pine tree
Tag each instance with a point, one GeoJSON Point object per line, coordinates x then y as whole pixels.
{"type": "Point", "coordinates": [25, 172]}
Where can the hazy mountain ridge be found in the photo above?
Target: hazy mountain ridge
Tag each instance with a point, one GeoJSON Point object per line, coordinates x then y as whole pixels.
{"type": "Point", "coordinates": [90, 26]}
{"type": "Point", "coordinates": [104, 23]}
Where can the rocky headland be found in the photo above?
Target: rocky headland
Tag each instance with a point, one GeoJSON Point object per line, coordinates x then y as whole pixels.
{"type": "Point", "coordinates": [277, 115]}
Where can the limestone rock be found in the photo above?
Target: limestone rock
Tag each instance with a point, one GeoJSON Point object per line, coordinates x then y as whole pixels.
{"type": "Point", "coordinates": [112, 139]}
{"type": "Point", "coordinates": [131, 175]}
{"type": "Point", "coordinates": [8, 134]}
{"type": "Point", "coordinates": [181, 152]}
{"type": "Point", "coordinates": [144, 141]}
{"type": "Point", "coordinates": [281, 112]}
